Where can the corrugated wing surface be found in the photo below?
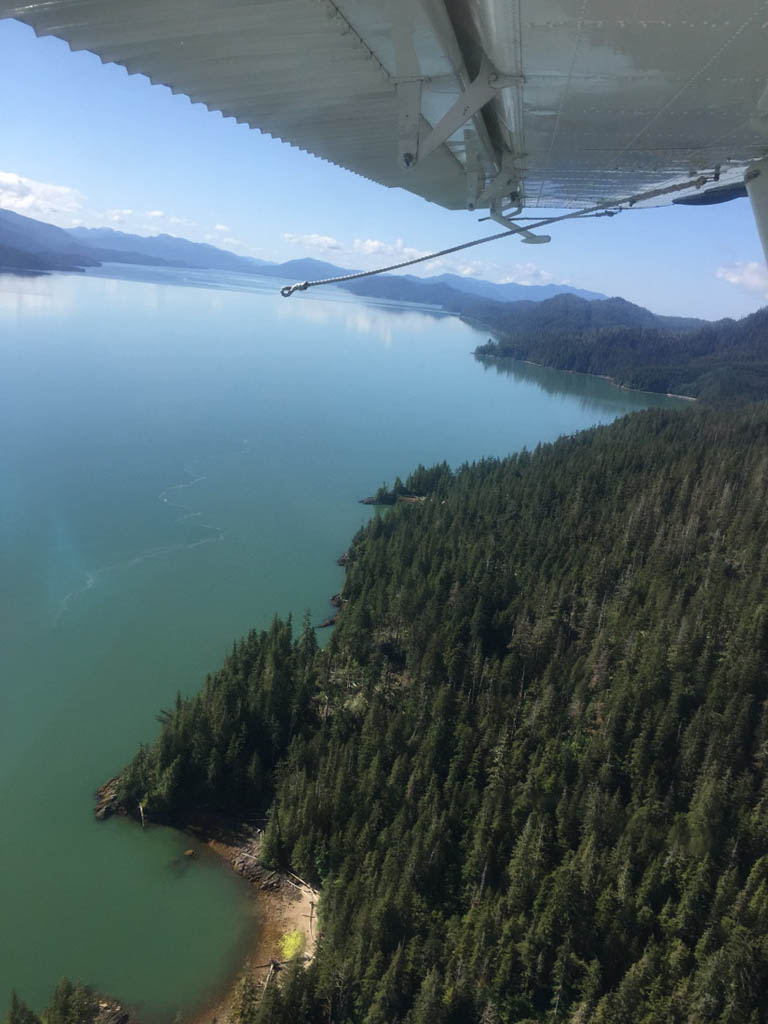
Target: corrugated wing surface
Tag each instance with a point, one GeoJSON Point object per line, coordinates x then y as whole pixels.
{"type": "Point", "coordinates": [616, 96]}
{"type": "Point", "coordinates": [294, 69]}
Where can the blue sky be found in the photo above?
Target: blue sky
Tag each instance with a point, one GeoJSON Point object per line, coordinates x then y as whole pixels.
{"type": "Point", "coordinates": [85, 143]}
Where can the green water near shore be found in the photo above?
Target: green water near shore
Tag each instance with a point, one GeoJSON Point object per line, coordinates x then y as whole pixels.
{"type": "Point", "coordinates": [179, 463]}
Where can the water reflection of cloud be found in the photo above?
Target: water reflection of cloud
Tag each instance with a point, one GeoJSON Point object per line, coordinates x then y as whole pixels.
{"type": "Point", "coordinates": [20, 294]}
{"type": "Point", "coordinates": [376, 326]}
{"type": "Point", "coordinates": [308, 311]}
{"type": "Point", "coordinates": [384, 322]}
{"type": "Point", "coordinates": [389, 322]}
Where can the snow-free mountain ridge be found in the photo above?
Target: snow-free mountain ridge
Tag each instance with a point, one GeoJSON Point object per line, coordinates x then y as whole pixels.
{"type": "Point", "coordinates": [29, 244]}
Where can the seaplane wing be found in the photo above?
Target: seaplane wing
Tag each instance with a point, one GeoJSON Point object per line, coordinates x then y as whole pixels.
{"type": "Point", "coordinates": [468, 103]}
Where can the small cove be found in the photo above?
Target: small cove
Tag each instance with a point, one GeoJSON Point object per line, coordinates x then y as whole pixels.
{"type": "Point", "coordinates": [183, 459]}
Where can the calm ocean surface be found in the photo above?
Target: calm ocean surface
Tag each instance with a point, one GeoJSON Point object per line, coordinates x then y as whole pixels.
{"type": "Point", "coordinates": [182, 455]}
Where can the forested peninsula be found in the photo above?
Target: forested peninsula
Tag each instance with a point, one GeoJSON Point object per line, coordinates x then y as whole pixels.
{"type": "Point", "coordinates": [528, 772]}
{"type": "Point", "coordinates": [614, 338]}
{"type": "Point", "coordinates": [723, 360]}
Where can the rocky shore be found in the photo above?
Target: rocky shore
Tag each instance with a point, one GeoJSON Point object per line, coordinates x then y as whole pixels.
{"type": "Point", "coordinates": [112, 1012]}
{"type": "Point", "coordinates": [107, 801]}
{"type": "Point", "coordinates": [285, 904]}
{"type": "Point", "coordinates": [392, 499]}
{"type": "Point", "coordinates": [337, 601]}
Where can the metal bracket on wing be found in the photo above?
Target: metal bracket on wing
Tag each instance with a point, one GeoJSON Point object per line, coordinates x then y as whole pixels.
{"type": "Point", "coordinates": [409, 119]}
{"type": "Point", "coordinates": [506, 219]}
{"type": "Point", "coordinates": [502, 195]}
{"type": "Point", "coordinates": [504, 185]}
{"type": "Point", "coordinates": [482, 89]}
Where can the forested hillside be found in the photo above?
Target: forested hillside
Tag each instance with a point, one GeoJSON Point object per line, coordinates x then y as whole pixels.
{"type": "Point", "coordinates": [529, 770]}
{"type": "Point", "coordinates": [722, 360]}
{"type": "Point", "coordinates": [70, 1004]}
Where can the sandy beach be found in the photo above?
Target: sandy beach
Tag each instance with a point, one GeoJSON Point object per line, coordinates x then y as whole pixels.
{"type": "Point", "coordinates": [282, 901]}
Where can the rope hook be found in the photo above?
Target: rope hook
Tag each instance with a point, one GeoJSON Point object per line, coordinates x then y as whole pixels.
{"type": "Point", "coordinates": [289, 289]}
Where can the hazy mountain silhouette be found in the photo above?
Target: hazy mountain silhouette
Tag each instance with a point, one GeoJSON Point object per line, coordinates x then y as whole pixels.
{"type": "Point", "coordinates": [508, 292]}
{"type": "Point", "coordinates": [170, 250]}
{"type": "Point", "coordinates": [26, 243]}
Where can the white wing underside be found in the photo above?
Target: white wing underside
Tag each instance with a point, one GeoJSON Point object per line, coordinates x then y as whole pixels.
{"type": "Point", "coordinates": [591, 99]}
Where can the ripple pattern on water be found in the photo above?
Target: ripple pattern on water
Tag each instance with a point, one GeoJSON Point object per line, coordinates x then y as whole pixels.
{"type": "Point", "coordinates": [92, 576]}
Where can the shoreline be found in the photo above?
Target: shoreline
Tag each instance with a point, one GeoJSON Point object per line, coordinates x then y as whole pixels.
{"type": "Point", "coordinates": [582, 373]}
{"type": "Point", "coordinates": [284, 904]}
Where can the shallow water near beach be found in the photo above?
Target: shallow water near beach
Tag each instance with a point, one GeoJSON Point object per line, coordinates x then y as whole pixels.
{"type": "Point", "coordinates": [182, 458]}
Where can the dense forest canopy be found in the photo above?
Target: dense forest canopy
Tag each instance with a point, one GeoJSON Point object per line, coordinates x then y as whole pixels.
{"type": "Point", "coordinates": [70, 1004]}
{"type": "Point", "coordinates": [528, 772]}
{"type": "Point", "coordinates": [567, 311]}
{"type": "Point", "coordinates": [723, 360]}
{"type": "Point", "coordinates": [529, 769]}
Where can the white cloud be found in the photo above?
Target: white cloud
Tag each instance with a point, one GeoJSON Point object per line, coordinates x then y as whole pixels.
{"type": "Point", "coordinates": [368, 251]}
{"type": "Point", "coordinates": [372, 253]}
{"type": "Point", "coordinates": [37, 198]}
{"type": "Point", "coordinates": [161, 215]}
{"type": "Point", "coordinates": [117, 216]}
{"type": "Point", "coordinates": [324, 243]}
{"type": "Point", "coordinates": [222, 227]}
{"type": "Point", "coordinates": [752, 277]}
{"type": "Point", "coordinates": [528, 273]}
{"type": "Point", "coordinates": [239, 246]}
{"type": "Point", "coordinates": [396, 251]}
{"type": "Point", "coordinates": [167, 217]}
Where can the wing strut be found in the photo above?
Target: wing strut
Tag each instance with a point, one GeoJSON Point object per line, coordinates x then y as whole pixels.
{"type": "Point", "coordinates": [472, 100]}
{"type": "Point", "coordinates": [756, 180]}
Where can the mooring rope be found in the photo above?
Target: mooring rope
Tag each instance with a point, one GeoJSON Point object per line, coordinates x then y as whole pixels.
{"type": "Point", "coordinates": [289, 289]}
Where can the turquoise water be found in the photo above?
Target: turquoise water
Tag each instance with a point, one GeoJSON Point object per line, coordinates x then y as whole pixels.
{"type": "Point", "coordinates": [182, 457]}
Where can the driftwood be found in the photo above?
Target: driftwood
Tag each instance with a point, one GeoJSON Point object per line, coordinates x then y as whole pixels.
{"type": "Point", "coordinates": [299, 884]}
{"type": "Point", "coordinates": [300, 881]}
{"type": "Point", "coordinates": [247, 856]}
{"type": "Point", "coordinates": [275, 966]}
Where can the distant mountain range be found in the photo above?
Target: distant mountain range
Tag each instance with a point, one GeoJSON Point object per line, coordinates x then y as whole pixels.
{"type": "Point", "coordinates": [509, 292]}
{"type": "Point", "coordinates": [163, 250]}
{"type": "Point", "coordinates": [32, 245]}
{"type": "Point", "coordinates": [554, 325]}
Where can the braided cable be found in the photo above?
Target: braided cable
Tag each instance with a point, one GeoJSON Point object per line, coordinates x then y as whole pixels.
{"type": "Point", "coordinates": [639, 197]}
